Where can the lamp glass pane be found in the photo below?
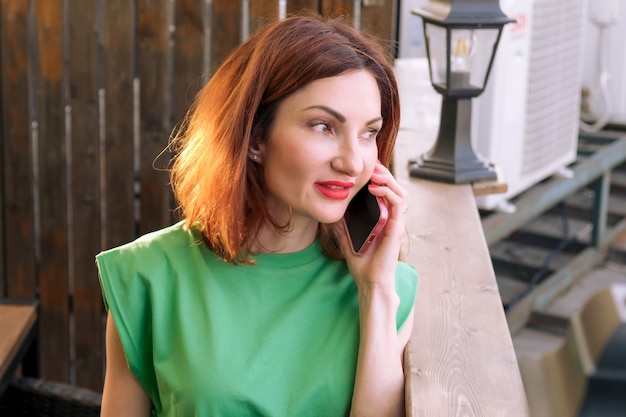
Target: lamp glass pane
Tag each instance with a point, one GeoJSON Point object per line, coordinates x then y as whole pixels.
{"type": "Point", "coordinates": [470, 55]}
{"type": "Point", "coordinates": [437, 51]}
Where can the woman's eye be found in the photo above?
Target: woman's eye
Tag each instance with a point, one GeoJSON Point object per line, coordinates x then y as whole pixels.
{"type": "Point", "coordinates": [371, 134]}
{"type": "Point", "coordinates": [321, 126]}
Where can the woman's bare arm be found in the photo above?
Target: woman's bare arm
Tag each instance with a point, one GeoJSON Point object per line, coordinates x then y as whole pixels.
{"type": "Point", "coordinates": [379, 381]}
{"type": "Point", "coordinates": [122, 395]}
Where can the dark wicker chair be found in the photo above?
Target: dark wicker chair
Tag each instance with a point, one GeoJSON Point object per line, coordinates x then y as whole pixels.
{"type": "Point", "coordinates": [31, 397]}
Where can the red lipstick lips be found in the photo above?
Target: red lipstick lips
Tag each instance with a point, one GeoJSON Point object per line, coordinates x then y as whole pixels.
{"type": "Point", "coordinates": [337, 190]}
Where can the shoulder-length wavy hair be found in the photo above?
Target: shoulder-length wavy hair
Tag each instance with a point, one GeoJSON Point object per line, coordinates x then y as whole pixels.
{"type": "Point", "coordinates": [218, 188]}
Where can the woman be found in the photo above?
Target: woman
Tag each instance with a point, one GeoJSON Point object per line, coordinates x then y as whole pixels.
{"type": "Point", "coordinates": [254, 304]}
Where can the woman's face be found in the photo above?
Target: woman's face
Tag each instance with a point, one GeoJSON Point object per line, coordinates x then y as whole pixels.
{"type": "Point", "coordinates": [322, 148]}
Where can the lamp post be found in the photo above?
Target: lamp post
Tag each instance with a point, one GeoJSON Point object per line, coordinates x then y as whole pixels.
{"type": "Point", "coordinates": [461, 40]}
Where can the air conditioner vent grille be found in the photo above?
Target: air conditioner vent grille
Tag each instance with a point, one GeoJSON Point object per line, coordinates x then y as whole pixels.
{"type": "Point", "coordinates": [553, 82]}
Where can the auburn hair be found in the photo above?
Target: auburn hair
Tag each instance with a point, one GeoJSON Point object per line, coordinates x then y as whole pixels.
{"type": "Point", "coordinates": [218, 188]}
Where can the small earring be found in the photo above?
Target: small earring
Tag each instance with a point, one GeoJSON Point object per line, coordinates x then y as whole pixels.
{"type": "Point", "coordinates": [255, 157]}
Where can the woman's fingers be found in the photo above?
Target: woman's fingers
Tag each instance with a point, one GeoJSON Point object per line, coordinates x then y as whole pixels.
{"type": "Point", "coordinates": [385, 185]}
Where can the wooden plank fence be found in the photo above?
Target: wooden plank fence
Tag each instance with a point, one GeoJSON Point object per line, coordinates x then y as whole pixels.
{"type": "Point", "coordinates": [89, 93]}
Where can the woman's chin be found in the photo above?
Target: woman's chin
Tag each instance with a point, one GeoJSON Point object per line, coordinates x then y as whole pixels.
{"type": "Point", "coordinates": [330, 219]}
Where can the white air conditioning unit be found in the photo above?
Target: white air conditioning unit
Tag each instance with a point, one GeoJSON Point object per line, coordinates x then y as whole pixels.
{"type": "Point", "coordinates": [526, 120]}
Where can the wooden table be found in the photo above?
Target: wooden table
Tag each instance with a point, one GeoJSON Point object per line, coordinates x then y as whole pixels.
{"type": "Point", "coordinates": [17, 330]}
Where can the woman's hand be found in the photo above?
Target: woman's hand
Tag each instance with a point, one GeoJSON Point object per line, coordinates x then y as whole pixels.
{"type": "Point", "coordinates": [376, 267]}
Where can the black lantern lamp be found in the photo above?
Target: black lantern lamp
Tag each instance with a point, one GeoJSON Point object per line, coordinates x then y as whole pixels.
{"type": "Point", "coordinates": [461, 40]}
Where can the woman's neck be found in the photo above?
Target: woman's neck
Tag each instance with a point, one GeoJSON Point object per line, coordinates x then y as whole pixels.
{"type": "Point", "coordinates": [295, 239]}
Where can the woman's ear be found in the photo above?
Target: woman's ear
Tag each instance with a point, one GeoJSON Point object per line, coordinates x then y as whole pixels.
{"type": "Point", "coordinates": [255, 150]}
{"type": "Point", "coordinates": [255, 155]}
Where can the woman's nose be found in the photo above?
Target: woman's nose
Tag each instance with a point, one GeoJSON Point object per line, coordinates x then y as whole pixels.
{"type": "Point", "coordinates": [349, 158]}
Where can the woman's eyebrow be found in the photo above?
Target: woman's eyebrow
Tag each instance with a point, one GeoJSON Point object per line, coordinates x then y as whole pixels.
{"type": "Point", "coordinates": [332, 112]}
{"type": "Point", "coordinates": [338, 115]}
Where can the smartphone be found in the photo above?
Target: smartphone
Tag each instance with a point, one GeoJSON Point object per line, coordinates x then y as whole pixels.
{"type": "Point", "coordinates": [365, 217]}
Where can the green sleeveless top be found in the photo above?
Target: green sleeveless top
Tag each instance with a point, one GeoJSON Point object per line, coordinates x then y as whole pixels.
{"type": "Point", "coordinates": [205, 337]}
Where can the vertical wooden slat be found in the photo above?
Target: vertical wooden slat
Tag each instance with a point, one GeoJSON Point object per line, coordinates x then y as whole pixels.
{"type": "Point", "coordinates": [152, 61]}
{"type": "Point", "coordinates": [380, 21]}
{"type": "Point", "coordinates": [85, 207]}
{"type": "Point", "coordinates": [225, 29]}
{"type": "Point", "coordinates": [188, 55]}
{"type": "Point", "coordinates": [117, 176]}
{"type": "Point", "coordinates": [16, 165]}
{"type": "Point", "coordinates": [336, 8]}
{"type": "Point", "coordinates": [53, 276]}
{"type": "Point", "coordinates": [262, 12]}
{"type": "Point", "coordinates": [189, 61]}
{"type": "Point", "coordinates": [307, 6]}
